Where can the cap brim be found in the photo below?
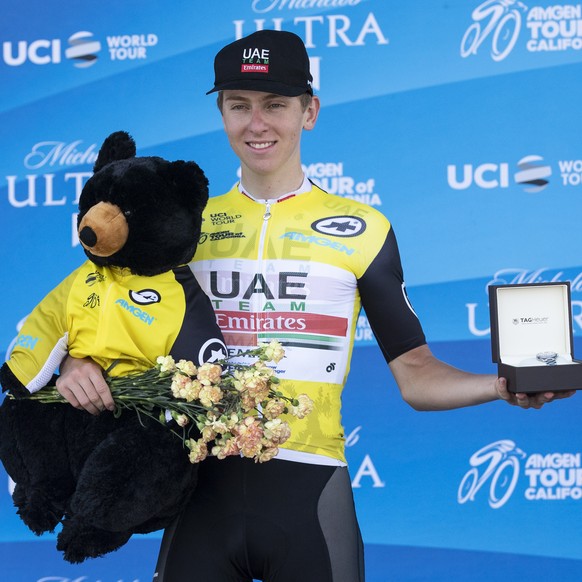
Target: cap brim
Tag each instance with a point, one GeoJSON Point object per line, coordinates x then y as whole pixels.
{"type": "Point", "coordinates": [263, 86]}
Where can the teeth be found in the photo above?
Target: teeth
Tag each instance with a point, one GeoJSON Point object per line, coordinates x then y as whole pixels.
{"type": "Point", "coordinates": [262, 145]}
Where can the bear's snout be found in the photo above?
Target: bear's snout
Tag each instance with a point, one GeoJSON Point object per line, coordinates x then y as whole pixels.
{"type": "Point", "coordinates": [103, 230]}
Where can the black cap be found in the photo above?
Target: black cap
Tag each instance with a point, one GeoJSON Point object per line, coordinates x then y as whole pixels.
{"type": "Point", "coordinates": [273, 61]}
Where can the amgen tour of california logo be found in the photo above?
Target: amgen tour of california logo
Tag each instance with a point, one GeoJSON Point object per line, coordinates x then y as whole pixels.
{"type": "Point", "coordinates": [497, 25]}
{"type": "Point", "coordinates": [495, 471]}
{"type": "Point", "coordinates": [496, 21]}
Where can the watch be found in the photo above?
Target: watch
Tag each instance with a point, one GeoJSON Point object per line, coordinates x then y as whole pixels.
{"type": "Point", "coordinates": [548, 358]}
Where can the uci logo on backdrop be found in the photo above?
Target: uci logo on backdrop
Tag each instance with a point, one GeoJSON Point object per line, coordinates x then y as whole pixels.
{"type": "Point", "coordinates": [81, 48]}
{"type": "Point", "coordinates": [532, 174]}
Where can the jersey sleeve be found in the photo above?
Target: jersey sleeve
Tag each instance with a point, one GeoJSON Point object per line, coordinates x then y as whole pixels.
{"type": "Point", "coordinates": [385, 301]}
{"type": "Point", "coordinates": [42, 341]}
{"type": "Point", "coordinates": [200, 339]}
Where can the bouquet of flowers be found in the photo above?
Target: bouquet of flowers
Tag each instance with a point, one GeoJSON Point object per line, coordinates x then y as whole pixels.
{"type": "Point", "coordinates": [236, 408]}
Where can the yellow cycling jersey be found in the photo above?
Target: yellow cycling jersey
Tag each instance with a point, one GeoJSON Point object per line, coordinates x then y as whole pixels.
{"type": "Point", "coordinates": [116, 318]}
{"type": "Point", "coordinates": [298, 270]}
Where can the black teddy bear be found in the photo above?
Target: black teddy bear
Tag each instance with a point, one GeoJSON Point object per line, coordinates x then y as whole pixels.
{"type": "Point", "coordinates": [104, 478]}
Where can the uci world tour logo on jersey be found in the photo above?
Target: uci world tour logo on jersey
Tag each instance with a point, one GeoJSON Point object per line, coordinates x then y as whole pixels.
{"type": "Point", "coordinates": [345, 226]}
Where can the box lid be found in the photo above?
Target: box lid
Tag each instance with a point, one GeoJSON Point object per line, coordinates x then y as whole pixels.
{"type": "Point", "coordinates": [530, 318]}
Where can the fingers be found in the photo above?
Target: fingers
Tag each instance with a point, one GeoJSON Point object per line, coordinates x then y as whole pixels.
{"type": "Point", "coordinates": [524, 400]}
{"type": "Point", "coordinates": [533, 400]}
{"type": "Point", "coordinates": [82, 384]}
{"type": "Point", "coordinates": [104, 394]}
{"type": "Point", "coordinates": [538, 400]}
{"type": "Point", "coordinates": [564, 394]}
{"type": "Point", "coordinates": [78, 397]}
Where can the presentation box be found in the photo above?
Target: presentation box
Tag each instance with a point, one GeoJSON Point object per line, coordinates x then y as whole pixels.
{"type": "Point", "coordinates": [532, 338]}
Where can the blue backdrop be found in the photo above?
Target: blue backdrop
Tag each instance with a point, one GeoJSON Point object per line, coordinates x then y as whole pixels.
{"type": "Point", "coordinates": [459, 119]}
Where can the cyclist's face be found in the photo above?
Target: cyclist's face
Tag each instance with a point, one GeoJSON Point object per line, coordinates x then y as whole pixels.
{"type": "Point", "coordinates": [264, 130]}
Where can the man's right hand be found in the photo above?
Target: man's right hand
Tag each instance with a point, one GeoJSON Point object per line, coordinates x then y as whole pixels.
{"type": "Point", "coordinates": [82, 384]}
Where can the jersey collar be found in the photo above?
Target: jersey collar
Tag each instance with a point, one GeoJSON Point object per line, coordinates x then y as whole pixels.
{"type": "Point", "coordinates": [305, 187]}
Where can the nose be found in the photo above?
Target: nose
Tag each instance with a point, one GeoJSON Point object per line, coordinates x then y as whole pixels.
{"type": "Point", "coordinates": [257, 122]}
{"type": "Point", "coordinates": [103, 230]}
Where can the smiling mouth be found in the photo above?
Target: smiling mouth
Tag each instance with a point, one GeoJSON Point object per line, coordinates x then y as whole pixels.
{"type": "Point", "coordinates": [260, 145]}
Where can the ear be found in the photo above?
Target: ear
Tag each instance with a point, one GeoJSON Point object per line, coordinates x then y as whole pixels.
{"type": "Point", "coordinates": [117, 146]}
{"type": "Point", "coordinates": [189, 179]}
{"type": "Point", "coordinates": [311, 113]}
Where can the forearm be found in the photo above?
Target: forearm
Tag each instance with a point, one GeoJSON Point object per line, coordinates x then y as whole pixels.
{"type": "Point", "coordinates": [429, 384]}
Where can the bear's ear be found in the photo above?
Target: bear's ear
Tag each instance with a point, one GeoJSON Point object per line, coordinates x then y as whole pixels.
{"type": "Point", "coordinates": [189, 178]}
{"type": "Point", "coordinates": [117, 146]}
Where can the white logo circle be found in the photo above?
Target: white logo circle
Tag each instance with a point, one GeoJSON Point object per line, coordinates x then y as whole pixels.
{"type": "Point", "coordinates": [345, 226]}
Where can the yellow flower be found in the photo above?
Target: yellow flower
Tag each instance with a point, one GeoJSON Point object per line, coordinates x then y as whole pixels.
{"type": "Point", "coordinates": [181, 419]}
{"type": "Point", "coordinates": [166, 363]}
{"type": "Point", "coordinates": [274, 408]}
{"type": "Point", "coordinates": [185, 388]}
{"type": "Point", "coordinates": [220, 425]}
{"type": "Point", "coordinates": [277, 431]}
{"type": "Point", "coordinates": [198, 450]}
{"type": "Point", "coordinates": [209, 373]}
{"type": "Point", "coordinates": [179, 383]}
{"type": "Point", "coordinates": [208, 434]}
{"type": "Point", "coordinates": [303, 407]}
{"type": "Point", "coordinates": [258, 388]}
{"type": "Point", "coordinates": [254, 384]}
{"type": "Point", "coordinates": [187, 367]}
{"type": "Point", "coordinates": [247, 402]}
{"type": "Point", "coordinates": [209, 395]}
{"type": "Point", "coordinates": [225, 448]}
{"type": "Point", "coordinates": [232, 420]}
{"type": "Point", "coordinates": [240, 378]}
{"type": "Point", "coordinates": [273, 351]}
{"type": "Point", "coordinates": [261, 369]}
{"type": "Point", "coordinates": [266, 454]}
{"type": "Point", "coordinates": [249, 434]}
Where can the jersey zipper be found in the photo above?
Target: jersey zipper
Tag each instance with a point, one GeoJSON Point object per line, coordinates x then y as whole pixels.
{"type": "Point", "coordinates": [256, 303]}
{"type": "Point", "coordinates": [263, 235]}
{"type": "Point", "coordinates": [261, 269]}
{"type": "Point", "coordinates": [267, 214]}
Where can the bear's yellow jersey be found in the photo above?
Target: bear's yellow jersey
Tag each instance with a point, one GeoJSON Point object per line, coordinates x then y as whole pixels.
{"type": "Point", "coordinates": [298, 270]}
{"type": "Point", "coordinates": [116, 318]}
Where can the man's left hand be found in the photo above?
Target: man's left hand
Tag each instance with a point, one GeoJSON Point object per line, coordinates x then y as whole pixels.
{"type": "Point", "coordinates": [524, 400]}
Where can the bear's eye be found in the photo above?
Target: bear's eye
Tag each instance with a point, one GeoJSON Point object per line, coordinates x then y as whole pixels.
{"type": "Point", "coordinates": [127, 213]}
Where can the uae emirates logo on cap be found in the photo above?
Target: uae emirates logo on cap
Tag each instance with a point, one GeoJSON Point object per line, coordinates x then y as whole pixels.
{"type": "Point", "coordinates": [255, 60]}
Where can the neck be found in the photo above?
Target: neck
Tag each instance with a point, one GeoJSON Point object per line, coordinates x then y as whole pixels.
{"type": "Point", "coordinates": [270, 187]}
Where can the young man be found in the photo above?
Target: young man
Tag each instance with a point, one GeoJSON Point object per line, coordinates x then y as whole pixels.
{"type": "Point", "coordinates": [282, 259]}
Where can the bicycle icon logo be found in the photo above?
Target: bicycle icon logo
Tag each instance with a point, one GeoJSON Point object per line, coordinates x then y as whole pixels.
{"type": "Point", "coordinates": [503, 469]}
{"type": "Point", "coordinates": [503, 26]}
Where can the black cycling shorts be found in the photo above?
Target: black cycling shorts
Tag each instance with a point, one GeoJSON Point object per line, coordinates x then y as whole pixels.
{"type": "Point", "coordinates": [278, 521]}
